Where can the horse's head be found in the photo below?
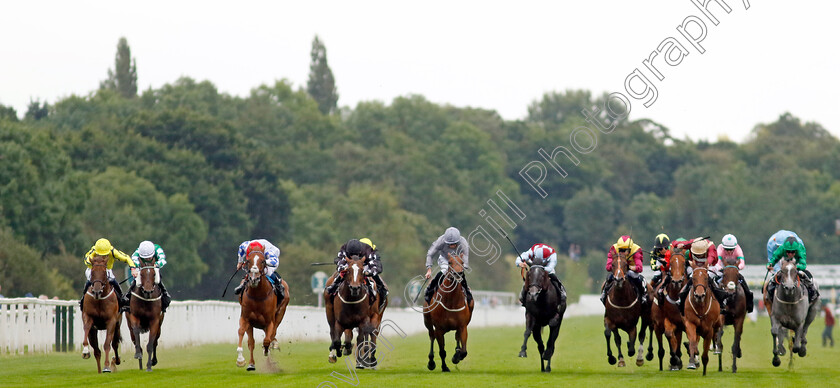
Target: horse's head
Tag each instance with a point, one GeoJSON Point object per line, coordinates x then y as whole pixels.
{"type": "Point", "coordinates": [98, 275]}
{"type": "Point", "coordinates": [456, 264]}
{"type": "Point", "coordinates": [620, 267]}
{"type": "Point", "coordinates": [700, 279]}
{"type": "Point", "coordinates": [677, 270]}
{"type": "Point", "coordinates": [730, 275]}
{"type": "Point", "coordinates": [355, 277]}
{"type": "Point", "coordinates": [788, 275]}
{"type": "Point", "coordinates": [147, 277]}
{"type": "Point", "coordinates": [537, 282]}
{"type": "Point", "coordinates": [255, 262]}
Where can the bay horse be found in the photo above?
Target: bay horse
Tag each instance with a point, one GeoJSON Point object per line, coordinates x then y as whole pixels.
{"type": "Point", "coordinates": [666, 315]}
{"type": "Point", "coordinates": [354, 307]}
{"type": "Point", "coordinates": [733, 313]}
{"type": "Point", "coordinates": [702, 313]}
{"type": "Point", "coordinates": [543, 307]}
{"type": "Point", "coordinates": [259, 308]}
{"type": "Point", "coordinates": [454, 313]}
{"type": "Point", "coordinates": [145, 313]}
{"type": "Point", "coordinates": [622, 310]}
{"type": "Point", "coordinates": [789, 309]}
{"type": "Point", "coordinates": [101, 312]}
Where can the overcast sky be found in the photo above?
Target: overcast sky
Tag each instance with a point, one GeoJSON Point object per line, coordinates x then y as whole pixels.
{"type": "Point", "coordinates": [759, 62]}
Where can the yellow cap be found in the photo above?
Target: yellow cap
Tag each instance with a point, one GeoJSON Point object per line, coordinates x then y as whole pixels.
{"type": "Point", "coordinates": [102, 247]}
{"type": "Point", "coordinates": [368, 242]}
{"type": "Point", "coordinates": [624, 242]}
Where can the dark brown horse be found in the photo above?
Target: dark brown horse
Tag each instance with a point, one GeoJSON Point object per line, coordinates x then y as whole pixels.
{"type": "Point", "coordinates": [622, 310]}
{"type": "Point", "coordinates": [259, 308]}
{"type": "Point", "coordinates": [145, 314]}
{"type": "Point", "coordinates": [702, 313]}
{"type": "Point", "coordinates": [447, 311]}
{"type": "Point", "coordinates": [101, 312]}
{"type": "Point", "coordinates": [544, 306]}
{"type": "Point", "coordinates": [354, 307]}
{"type": "Point", "coordinates": [733, 313]}
{"type": "Point", "coordinates": [665, 312]}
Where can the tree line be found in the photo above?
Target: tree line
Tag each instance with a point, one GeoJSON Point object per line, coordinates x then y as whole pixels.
{"type": "Point", "coordinates": [198, 171]}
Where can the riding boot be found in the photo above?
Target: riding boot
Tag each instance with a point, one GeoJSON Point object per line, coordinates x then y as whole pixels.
{"type": "Point", "coordinates": [279, 290]}
{"type": "Point", "coordinates": [684, 295]}
{"type": "Point", "coordinates": [128, 294]}
{"type": "Point", "coordinates": [748, 295]}
{"type": "Point", "coordinates": [720, 294]}
{"type": "Point", "coordinates": [813, 294]}
{"type": "Point", "coordinates": [561, 293]}
{"type": "Point", "coordinates": [165, 298]}
{"type": "Point", "coordinates": [239, 288]}
{"type": "Point", "coordinates": [466, 289]}
{"type": "Point", "coordinates": [331, 290]}
{"type": "Point", "coordinates": [84, 291]}
{"type": "Point", "coordinates": [638, 284]}
{"type": "Point", "coordinates": [383, 290]}
{"type": "Point", "coordinates": [430, 290]}
{"type": "Point", "coordinates": [120, 296]}
{"type": "Point", "coordinates": [771, 289]}
{"type": "Point", "coordinates": [605, 289]}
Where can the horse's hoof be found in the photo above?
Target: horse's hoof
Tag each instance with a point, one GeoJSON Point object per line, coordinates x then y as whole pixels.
{"type": "Point", "coordinates": [274, 345]}
{"type": "Point", "coordinates": [547, 370]}
{"type": "Point", "coordinates": [154, 361]}
{"type": "Point", "coordinates": [85, 356]}
{"type": "Point", "coordinates": [777, 361]}
{"type": "Point", "coordinates": [691, 366]}
{"type": "Point", "coordinates": [251, 367]}
{"type": "Point", "coordinates": [431, 365]}
{"type": "Point", "coordinates": [138, 355]}
{"type": "Point", "coordinates": [675, 367]}
{"type": "Point", "coordinates": [621, 364]}
{"type": "Point", "coordinates": [649, 356]}
{"type": "Point", "coordinates": [148, 369]}
{"type": "Point", "coordinates": [444, 368]}
{"type": "Point", "coordinates": [640, 361]}
{"type": "Point", "coordinates": [802, 352]}
{"type": "Point", "coordinates": [106, 370]}
{"type": "Point", "coordinates": [240, 363]}
{"type": "Point", "coordinates": [734, 368]}
{"type": "Point", "coordinates": [523, 354]}
{"type": "Point", "coordinates": [782, 350]}
{"type": "Point", "coordinates": [716, 351]}
{"type": "Point", "coordinates": [455, 358]}
{"type": "Point", "coordinates": [332, 359]}
{"type": "Point", "coordinates": [611, 360]}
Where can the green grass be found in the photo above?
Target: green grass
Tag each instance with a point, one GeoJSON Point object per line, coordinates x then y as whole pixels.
{"type": "Point", "coordinates": [580, 359]}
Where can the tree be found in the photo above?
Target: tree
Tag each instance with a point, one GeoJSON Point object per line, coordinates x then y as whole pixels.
{"type": "Point", "coordinates": [8, 113]}
{"type": "Point", "coordinates": [37, 110]}
{"type": "Point", "coordinates": [321, 84]}
{"type": "Point", "coordinates": [123, 78]}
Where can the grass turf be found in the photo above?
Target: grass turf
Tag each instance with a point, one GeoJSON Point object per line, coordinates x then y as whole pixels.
{"type": "Point", "coordinates": [579, 360]}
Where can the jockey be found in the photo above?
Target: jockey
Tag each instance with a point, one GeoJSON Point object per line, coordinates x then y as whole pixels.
{"type": "Point", "coordinates": [450, 242]}
{"type": "Point", "coordinates": [702, 253]}
{"type": "Point", "coordinates": [679, 246]}
{"type": "Point", "coordinates": [625, 249]}
{"type": "Point", "coordinates": [103, 248]}
{"type": "Point", "coordinates": [775, 241]}
{"type": "Point", "coordinates": [791, 249]}
{"type": "Point", "coordinates": [147, 250]}
{"type": "Point", "coordinates": [728, 250]}
{"type": "Point", "coordinates": [271, 261]}
{"type": "Point", "coordinates": [660, 258]}
{"type": "Point", "coordinates": [372, 265]}
{"type": "Point", "coordinates": [545, 256]}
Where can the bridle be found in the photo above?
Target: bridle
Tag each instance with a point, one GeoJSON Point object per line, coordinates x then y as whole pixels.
{"type": "Point", "coordinates": [705, 294]}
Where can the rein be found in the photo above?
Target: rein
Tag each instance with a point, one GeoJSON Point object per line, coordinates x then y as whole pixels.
{"type": "Point", "coordinates": [354, 302]}
{"type": "Point", "coordinates": [457, 283]}
{"type": "Point", "coordinates": [146, 299]}
{"type": "Point", "coordinates": [701, 316]}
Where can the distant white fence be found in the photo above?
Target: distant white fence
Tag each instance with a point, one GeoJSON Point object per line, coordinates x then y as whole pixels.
{"type": "Point", "coordinates": [29, 325]}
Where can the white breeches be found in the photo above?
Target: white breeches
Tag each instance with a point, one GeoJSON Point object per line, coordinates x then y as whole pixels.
{"type": "Point", "coordinates": [107, 271]}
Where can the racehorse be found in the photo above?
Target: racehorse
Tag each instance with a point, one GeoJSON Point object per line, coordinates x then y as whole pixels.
{"type": "Point", "coordinates": [101, 312]}
{"type": "Point", "coordinates": [145, 313]}
{"type": "Point", "coordinates": [702, 313]}
{"type": "Point", "coordinates": [355, 307]}
{"type": "Point", "coordinates": [666, 315]}
{"type": "Point", "coordinates": [733, 313]}
{"type": "Point", "coordinates": [622, 310]}
{"type": "Point", "coordinates": [454, 313]}
{"type": "Point", "coordinates": [259, 308]}
{"type": "Point", "coordinates": [543, 306]}
{"type": "Point", "coordinates": [789, 310]}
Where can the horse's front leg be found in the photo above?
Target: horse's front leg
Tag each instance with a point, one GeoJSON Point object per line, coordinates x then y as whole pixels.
{"type": "Point", "coordinates": [607, 334]}
{"type": "Point", "coordinates": [691, 333]}
{"type": "Point", "coordinates": [251, 345]}
{"type": "Point", "coordinates": [85, 333]}
{"type": "Point", "coordinates": [528, 323]}
{"type": "Point", "coordinates": [106, 346]}
{"type": "Point", "coordinates": [93, 336]}
{"type": "Point", "coordinates": [537, 332]}
{"type": "Point", "coordinates": [631, 341]}
{"type": "Point", "coordinates": [617, 339]}
{"type": "Point", "coordinates": [461, 345]}
{"type": "Point", "coordinates": [270, 332]}
{"type": "Point", "coordinates": [151, 347]}
{"type": "Point", "coordinates": [554, 331]}
{"type": "Point", "coordinates": [243, 326]}
{"type": "Point", "coordinates": [707, 342]}
{"type": "Point", "coordinates": [441, 348]}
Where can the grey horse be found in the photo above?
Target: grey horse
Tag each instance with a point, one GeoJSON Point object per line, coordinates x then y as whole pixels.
{"type": "Point", "coordinates": [790, 310]}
